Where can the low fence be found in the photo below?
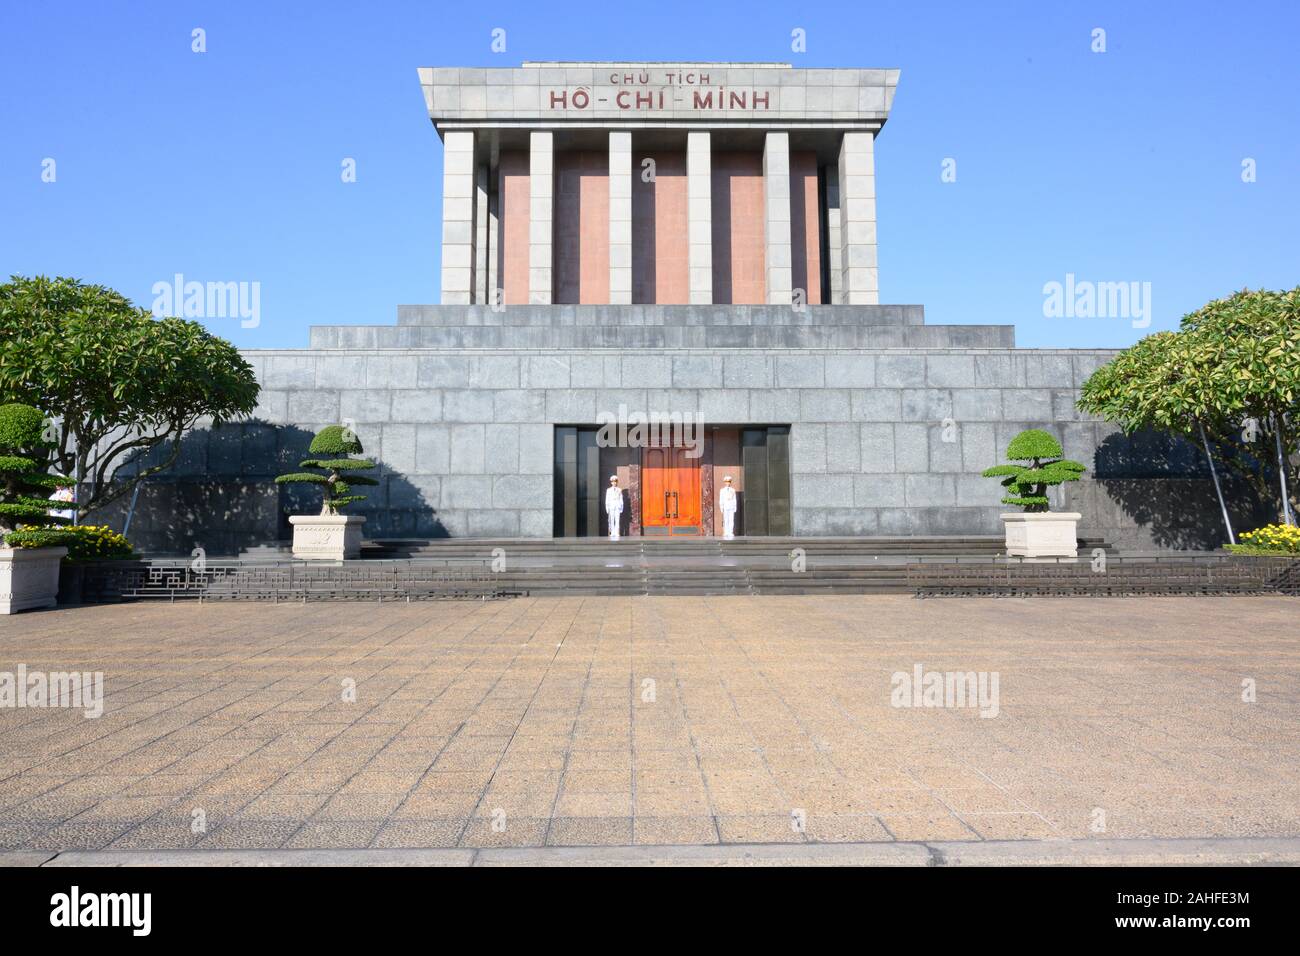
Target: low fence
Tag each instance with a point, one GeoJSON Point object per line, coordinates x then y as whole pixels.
{"type": "Point", "coordinates": [1115, 576]}
{"type": "Point", "coordinates": [459, 578]}
{"type": "Point", "coordinates": [112, 581]}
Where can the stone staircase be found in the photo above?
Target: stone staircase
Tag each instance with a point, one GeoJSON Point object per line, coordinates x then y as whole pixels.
{"type": "Point", "coordinates": [563, 549]}
{"type": "Point", "coordinates": [700, 566]}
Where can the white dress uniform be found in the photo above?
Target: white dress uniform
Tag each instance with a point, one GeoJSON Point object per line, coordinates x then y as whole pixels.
{"type": "Point", "coordinates": [614, 509]}
{"type": "Point", "coordinates": [727, 505]}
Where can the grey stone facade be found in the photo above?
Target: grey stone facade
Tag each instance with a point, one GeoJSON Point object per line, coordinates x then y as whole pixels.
{"type": "Point", "coordinates": [884, 442]}
{"type": "Point", "coordinates": [887, 441]}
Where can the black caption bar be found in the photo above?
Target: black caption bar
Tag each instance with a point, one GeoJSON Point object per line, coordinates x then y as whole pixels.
{"type": "Point", "coordinates": [296, 905]}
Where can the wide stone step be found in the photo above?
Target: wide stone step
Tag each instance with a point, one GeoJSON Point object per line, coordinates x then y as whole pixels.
{"type": "Point", "coordinates": [693, 545]}
{"type": "Point", "coordinates": [579, 567]}
{"type": "Point", "coordinates": [657, 315]}
{"type": "Point", "coordinates": [774, 549]}
{"type": "Point", "coordinates": [583, 337]}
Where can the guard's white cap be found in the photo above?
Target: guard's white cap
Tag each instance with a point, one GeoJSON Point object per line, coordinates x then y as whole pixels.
{"type": "Point", "coordinates": [728, 478]}
{"type": "Point", "coordinates": [613, 477]}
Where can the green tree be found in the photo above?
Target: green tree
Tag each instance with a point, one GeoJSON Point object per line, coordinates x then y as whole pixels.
{"type": "Point", "coordinates": [118, 382]}
{"type": "Point", "coordinates": [1228, 380]}
{"type": "Point", "coordinates": [335, 474]}
{"type": "Point", "coordinates": [1043, 468]}
{"type": "Point", "coordinates": [25, 479]}
{"type": "Point", "coordinates": [1249, 344]}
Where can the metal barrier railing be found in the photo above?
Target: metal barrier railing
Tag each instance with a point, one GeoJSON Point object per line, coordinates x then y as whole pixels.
{"type": "Point", "coordinates": [292, 580]}
{"type": "Point", "coordinates": [452, 578]}
{"type": "Point", "coordinates": [1113, 575]}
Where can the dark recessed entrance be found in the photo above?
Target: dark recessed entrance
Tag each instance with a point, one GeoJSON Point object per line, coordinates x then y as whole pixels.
{"type": "Point", "coordinates": [667, 490]}
{"type": "Point", "coordinates": [765, 460]}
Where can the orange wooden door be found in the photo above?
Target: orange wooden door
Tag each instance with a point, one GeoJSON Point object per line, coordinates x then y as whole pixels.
{"type": "Point", "coordinates": [687, 504]}
{"type": "Point", "coordinates": [671, 501]}
{"type": "Point", "coordinates": [656, 497]}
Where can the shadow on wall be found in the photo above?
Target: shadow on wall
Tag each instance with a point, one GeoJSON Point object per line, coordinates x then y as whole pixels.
{"type": "Point", "coordinates": [221, 495]}
{"type": "Point", "coordinates": [1161, 485]}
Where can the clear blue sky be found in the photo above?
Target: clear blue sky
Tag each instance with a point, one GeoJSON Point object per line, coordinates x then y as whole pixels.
{"type": "Point", "coordinates": [224, 166]}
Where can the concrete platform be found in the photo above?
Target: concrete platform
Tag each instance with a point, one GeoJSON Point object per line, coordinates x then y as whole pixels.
{"type": "Point", "coordinates": [724, 722]}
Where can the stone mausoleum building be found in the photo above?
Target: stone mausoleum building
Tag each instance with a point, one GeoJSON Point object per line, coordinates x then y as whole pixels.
{"type": "Point", "coordinates": [625, 242]}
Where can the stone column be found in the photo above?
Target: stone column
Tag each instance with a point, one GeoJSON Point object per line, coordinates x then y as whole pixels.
{"type": "Point", "coordinates": [541, 211]}
{"type": "Point", "coordinates": [458, 217]}
{"type": "Point", "coordinates": [776, 218]}
{"type": "Point", "coordinates": [480, 233]}
{"type": "Point", "coordinates": [859, 281]}
{"type": "Point", "coordinates": [699, 216]}
{"type": "Point", "coordinates": [832, 211]}
{"type": "Point", "coordinates": [493, 239]}
{"type": "Point", "coordinates": [620, 218]}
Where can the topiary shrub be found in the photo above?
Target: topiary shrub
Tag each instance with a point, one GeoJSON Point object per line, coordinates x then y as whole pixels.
{"type": "Point", "coordinates": [334, 444]}
{"type": "Point", "coordinates": [25, 481]}
{"type": "Point", "coordinates": [85, 542]}
{"type": "Point", "coordinates": [1270, 539]}
{"type": "Point", "coordinates": [1027, 484]}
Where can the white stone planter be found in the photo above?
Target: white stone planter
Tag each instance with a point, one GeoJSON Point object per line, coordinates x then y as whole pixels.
{"type": "Point", "coordinates": [29, 578]}
{"type": "Point", "coordinates": [1044, 534]}
{"type": "Point", "coordinates": [326, 537]}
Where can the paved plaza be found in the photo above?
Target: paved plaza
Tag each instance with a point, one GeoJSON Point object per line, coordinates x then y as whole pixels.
{"type": "Point", "coordinates": [631, 721]}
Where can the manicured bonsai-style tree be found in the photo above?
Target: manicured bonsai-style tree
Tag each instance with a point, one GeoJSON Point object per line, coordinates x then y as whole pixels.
{"type": "Point", "coordinates": [1044, 468]}
{"type": "Point", "coordinates": [25, 482]}
{"type": "Point", "coordinates": [333, 445]}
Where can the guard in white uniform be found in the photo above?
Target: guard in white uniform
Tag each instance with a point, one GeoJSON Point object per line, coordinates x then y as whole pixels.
{"type": "Point", "coordinates": [727, 505]}
{"type": "Point", "coordinates": [614, 506]}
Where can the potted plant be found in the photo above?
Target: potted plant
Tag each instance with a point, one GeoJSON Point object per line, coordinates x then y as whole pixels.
{"type": "Point", "coordinates": [1037, 532]}
{"type": "Point", "coordinates": [29, 571]}
{"type": "Point", "coordinates": [330, 536]}
{"type": "Point", "coordinates": [85, 543]}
